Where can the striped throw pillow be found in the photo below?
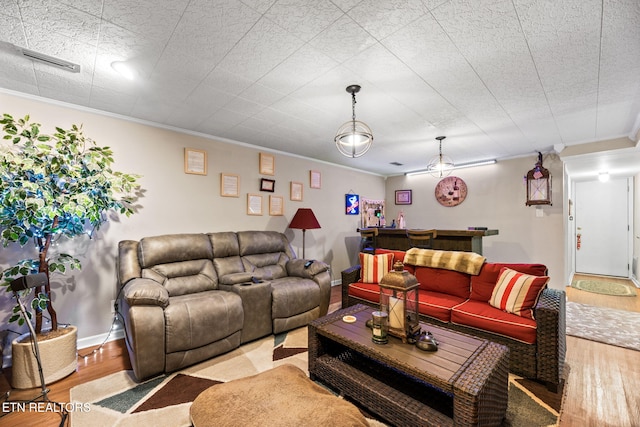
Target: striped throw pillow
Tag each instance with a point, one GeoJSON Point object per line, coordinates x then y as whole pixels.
{"type": "Point", "coordinates": [374, 267]}
{"type": "Point", "coordinates": [517, 292]}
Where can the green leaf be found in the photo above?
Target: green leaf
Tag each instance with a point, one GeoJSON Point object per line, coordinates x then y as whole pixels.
{"type": "Point", "coordinates": [57, 183]}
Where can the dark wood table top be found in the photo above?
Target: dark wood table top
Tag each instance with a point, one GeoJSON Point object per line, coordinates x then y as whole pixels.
{"type": "Point", "coordinates": [441, 368]}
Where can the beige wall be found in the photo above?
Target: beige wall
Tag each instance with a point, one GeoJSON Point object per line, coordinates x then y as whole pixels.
{"type": "Point", "coordinates": [496, 199]}
{"type": "Point", "coordinates": [175, 202]}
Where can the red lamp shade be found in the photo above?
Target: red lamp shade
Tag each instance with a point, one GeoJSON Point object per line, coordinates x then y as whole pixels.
{"type": "Point", "coordinates": [304, 220]}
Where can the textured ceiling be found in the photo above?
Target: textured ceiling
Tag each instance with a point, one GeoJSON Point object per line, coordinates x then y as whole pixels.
{"type": "Point", "coordinates": [499, 78]}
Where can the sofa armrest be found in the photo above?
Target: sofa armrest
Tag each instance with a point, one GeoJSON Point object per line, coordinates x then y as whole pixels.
{"type": "Point", "coordinates": [318, 271]}
{"type": "Point", "coordinates": [349, 276]}
{"type": "Point", "coordinates": [550, 315]}
{"type": "Point", "coordinates": [295, 268]}
{"type": "Point", "coordinates": [143, 291]}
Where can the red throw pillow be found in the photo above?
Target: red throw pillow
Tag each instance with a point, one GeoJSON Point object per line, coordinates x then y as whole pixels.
{"type": "Point", "coordinates": [517, 293]}
{"type": "Point", "coordinates": [374, 267]}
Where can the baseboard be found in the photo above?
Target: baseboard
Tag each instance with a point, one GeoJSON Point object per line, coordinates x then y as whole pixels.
{"type": "Point", "coordinates": [336, 282]}
{"type": "Point", "coordinates": [115, 334]}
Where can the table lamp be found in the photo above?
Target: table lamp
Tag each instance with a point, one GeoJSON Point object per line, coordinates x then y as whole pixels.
{"type": "Point", "coordinates": [304, 220]}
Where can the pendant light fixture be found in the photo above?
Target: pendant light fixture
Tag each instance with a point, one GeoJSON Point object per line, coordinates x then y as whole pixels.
{"type": "Point", "coordinates": [354, 138]}
{"type": "Point", "coordinates": [440, 166]}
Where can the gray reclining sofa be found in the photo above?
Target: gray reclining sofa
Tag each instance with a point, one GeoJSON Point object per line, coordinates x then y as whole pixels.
{"type": "Point", "coordinates": [186, 298]}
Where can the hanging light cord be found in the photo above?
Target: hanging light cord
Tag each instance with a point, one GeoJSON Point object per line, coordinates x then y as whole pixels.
{"type": "Point", "coordinates": [353, 110]}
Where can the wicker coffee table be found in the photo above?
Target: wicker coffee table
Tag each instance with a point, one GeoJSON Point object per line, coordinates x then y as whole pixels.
{"type": "Point", "coordinates": [464, 383]}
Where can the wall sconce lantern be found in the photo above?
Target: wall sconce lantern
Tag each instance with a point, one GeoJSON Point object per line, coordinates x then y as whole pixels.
{"type": "Point", "coordinates": [399, 298]}
{"type": "Point", "coordinates": [538, 185]}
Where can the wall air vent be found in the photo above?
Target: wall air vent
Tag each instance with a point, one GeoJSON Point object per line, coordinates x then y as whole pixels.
{"type": "Point", "coordinates": [49, 60]}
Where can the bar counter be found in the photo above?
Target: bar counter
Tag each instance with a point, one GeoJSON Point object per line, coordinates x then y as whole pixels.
{"type": "Point", "coordinates": [449, 240]}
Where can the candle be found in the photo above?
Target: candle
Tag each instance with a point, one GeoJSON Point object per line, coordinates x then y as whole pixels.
{"type": "Point", "coordinates": [396, 313]}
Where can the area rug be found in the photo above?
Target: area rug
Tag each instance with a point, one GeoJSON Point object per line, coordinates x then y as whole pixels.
{"type": "Point", "coordinates": [605, 325]}
{"type": "Point", "coordinates": [604, 287]}
{"type": "Point", "coordinates": [117, 400]}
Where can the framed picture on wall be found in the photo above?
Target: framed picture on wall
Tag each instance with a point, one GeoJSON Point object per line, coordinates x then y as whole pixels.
{"type": "Point", "coordinates": [267, 185]}
{"type": "Point", "coordinates": [296, 191]}
{"type": "Point", "coordinates": [254, 204]}
{"type": "Point", "coordinates": [229, 185]}
{"type": "Point", "coordinates": [315, 179]}
{"type": "Point", "coordinates": [276, 205]}
{"type": "Point", "coordinates": [267, 164]}
{"type": "Point", "coordinates": [403, 197]}
{"type": "Point", "coordinates": [195, 161]}
{"type": "Point", "coordinates": [352, 204]}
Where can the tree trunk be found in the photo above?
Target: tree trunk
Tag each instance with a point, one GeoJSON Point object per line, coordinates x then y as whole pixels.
{"type": "Point", "coordinates": [44, 268]}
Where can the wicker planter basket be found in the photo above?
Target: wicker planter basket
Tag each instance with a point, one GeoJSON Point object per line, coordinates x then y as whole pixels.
{"type": "Point", "coordinates": [58, 356]}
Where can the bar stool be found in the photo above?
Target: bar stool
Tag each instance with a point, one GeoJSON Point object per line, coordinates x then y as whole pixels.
{"type": "Point", "coordinates": [422, 239]}
{"type": "Point", "coordinates": [369, 240]}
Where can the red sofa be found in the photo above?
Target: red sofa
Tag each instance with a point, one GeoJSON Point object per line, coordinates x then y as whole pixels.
{"type": "Point", "coordinates": [460, 301]}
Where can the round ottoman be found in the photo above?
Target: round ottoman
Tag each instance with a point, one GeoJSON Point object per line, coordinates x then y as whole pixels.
{"type": "Point", "coordinates": [282, 396]}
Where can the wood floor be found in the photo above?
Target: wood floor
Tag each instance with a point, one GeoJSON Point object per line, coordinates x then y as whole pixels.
{"type": "Point", "coordinates": [602, 389]}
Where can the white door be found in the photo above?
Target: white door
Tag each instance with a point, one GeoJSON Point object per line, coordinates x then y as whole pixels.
{"type": "Point", "coordinates": [602, 227]}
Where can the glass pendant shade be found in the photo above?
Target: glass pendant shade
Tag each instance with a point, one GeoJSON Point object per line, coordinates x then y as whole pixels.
{"type": "Point", "coordinates": [440, 166]}
{"type": "Point", "coordinates": [354, 138]}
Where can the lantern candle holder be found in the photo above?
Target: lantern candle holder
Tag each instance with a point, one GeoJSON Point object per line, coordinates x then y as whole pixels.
{"type": "Point", "coordinates": [379, 327]}
{"type": "Point", "coordinates": [399, 291]}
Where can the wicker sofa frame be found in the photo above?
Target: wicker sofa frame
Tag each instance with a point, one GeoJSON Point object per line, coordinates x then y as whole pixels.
{"type": "Point", "coordinates": [542, 361]}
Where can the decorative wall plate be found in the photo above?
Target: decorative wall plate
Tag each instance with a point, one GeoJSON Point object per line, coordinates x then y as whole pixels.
{"type": "Point", "coordinates": [451, 191]}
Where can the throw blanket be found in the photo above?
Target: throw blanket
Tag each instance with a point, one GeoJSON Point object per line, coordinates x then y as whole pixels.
{"type": "Point", "coordinates": [464, 262]}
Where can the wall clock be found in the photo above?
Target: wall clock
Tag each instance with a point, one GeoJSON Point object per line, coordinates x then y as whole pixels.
{"type": "Point", "coordinates": [451, 191]}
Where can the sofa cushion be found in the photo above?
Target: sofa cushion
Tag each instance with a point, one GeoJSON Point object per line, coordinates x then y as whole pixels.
{"type": "Point", "coordinates": [397, 255]}
{"type": "Point", "coordinates": [224, 244]}
{"type": "Point", "coordinates": [365, 291]}
{"type": "Point", "coordinates": [482, 285]}
{"type": "Point", "coordinates": [444, 281]}
{"type": "Point", "coordinates": [173, 248]}
{"type": "Point", "coordinates": [437, 304]}
{"type": "Point", "coordinates": [374, 267]}
{"type": "Point", "coordinates": [261, 242]}
{"type": "Point", "coordinates": [480, 315]}
{"type": "Point", "coordinates": [196, 320]}
{"type": "Point", "coordinates": [184, 277]}
{"type": "Point", "coordinates": [293, 295]}
{"type": "Point", "coordinates": [266, 266]}
{"type": "Point", "coordinates": [517, 293]}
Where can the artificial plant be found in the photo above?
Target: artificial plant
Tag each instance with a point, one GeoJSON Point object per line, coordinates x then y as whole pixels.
{"type": "Point", "coordinates": [54, 185]}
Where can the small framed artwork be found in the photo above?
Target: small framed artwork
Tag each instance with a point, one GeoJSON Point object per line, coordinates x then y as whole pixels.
{"type": "Point", "coordinates": [195, 161]}
{"type": "Point", "coordinates": [403, 197]}
{"type": "Point", "coordinates": [254, 204]}
{"type": "Point", "coordinates": [315, 179]}
{"type": "Point", "coordinates": [267, 185]}
{"type": "Point", "coordinates": [276, 205]}
{"type": "Point", "coordinates": [229, 185]}
{"type": "Point", "coordinates": [267, 164]}
{"type": "Point", "coordinates": [296, 191]}
{"type": "Point", "coordinates": [352, 204]}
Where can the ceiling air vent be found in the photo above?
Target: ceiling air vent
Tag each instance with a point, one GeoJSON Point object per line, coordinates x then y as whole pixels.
{"type": "Point", "coordinates": [395, 164]}
{"type": "Point", "coordinates": [49, 60]}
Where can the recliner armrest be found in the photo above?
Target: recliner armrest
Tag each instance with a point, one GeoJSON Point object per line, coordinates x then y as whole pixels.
{"type": "Point", "coordinates": [295, 268]}
{"type": "Point", "coordinates": [143, 291]}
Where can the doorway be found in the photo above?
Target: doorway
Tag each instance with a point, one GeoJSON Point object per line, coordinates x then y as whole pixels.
{"type": "Point", "coordinates": [603, 227]}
